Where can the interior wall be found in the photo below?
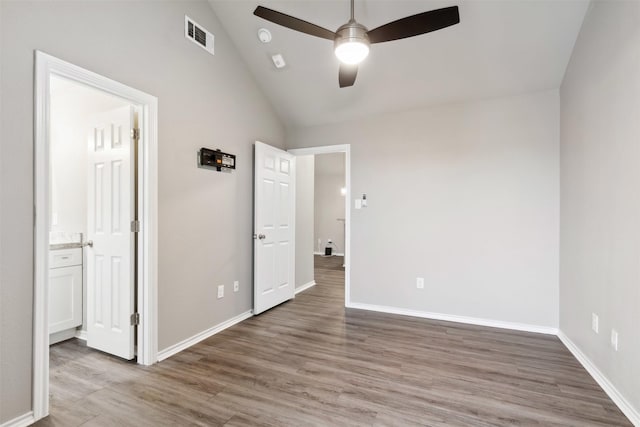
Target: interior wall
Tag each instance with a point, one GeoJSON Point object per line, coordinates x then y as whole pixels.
{"type": "Point", "coordinates": [304, 220]}
{"type": "Point", "coordinates": [68, 173]}
{"type": "Point", "coordinates": [204, 219]}
{"type": "Point", "coordinates": [329, 202]}
{"type": "Point", "coordinates": [600, 193]}
{"type": "Point", "coordinates": [465, 196]}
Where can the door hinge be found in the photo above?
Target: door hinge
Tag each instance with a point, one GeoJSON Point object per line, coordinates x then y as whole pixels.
{"type": "Point", "coordinates": [135, 133]}
{"type": "Point", "coordinates": [135, 319]}
{"type": "Point", "coordinates": [135, 226]}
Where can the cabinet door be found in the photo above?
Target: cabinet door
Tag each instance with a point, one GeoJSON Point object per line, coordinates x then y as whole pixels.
{"type": "Point", "coordinates": [65, 298]}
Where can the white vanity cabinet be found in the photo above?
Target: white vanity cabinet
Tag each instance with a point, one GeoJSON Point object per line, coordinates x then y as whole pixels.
{"type": "Point", "coordinates": [65, 289]}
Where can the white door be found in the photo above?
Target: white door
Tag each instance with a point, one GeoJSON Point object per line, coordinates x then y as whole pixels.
{"type": "Point", "coordinates": [110, 272]}
{"type": "Point", "coordinates": [274, 219]}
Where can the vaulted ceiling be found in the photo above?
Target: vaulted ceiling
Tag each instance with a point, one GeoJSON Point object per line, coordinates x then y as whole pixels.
{"type": "Point", "coordinates": [500, 48]}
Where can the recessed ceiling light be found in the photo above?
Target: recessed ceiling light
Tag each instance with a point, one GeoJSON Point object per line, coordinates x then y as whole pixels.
{"type": "Point", "coordinates": [264, 35]}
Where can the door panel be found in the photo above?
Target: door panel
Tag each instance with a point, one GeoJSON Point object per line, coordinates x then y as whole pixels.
{"type": "Point", "coordinates": [274, 232]}
{"type": "Point", "coordinates": [110, 272]}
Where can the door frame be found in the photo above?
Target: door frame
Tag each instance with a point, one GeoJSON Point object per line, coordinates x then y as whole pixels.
{"type": "Point", "coordinates": [346, 149]}
{"type": "Point", "coordinates": [147, 105]}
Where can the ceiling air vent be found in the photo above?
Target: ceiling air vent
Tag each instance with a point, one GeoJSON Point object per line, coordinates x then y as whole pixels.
{"type": "Point", "coordinates": [197, 34]}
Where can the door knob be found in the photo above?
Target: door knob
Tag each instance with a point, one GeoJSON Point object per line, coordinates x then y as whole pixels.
{"type": "Point", "coordinates": [89, 243]}
{"type": "Point", "coordinates": [261, 236]}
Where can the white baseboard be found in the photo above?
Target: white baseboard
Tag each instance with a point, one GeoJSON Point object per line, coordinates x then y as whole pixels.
{"type": "Point", "coordinates": [60, 336]}
{"type": "Point", "coordinates": [21, 421]}
{"type": "Point", "coordinates": [332, 253]}
{"type": "Point", "coordinates": [81, 335]}
{"type": "Point", "coordinates": [305, 287]}
{"type": "Point", "coordinates": [625, 406]}
{"type": "Point", "coordinates": [458, 319]}
{"type": "Point", "coordinates": [182, 345]}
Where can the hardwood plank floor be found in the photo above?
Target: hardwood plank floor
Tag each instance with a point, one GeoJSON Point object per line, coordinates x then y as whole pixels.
{"type": "Point", "coordinates": [311, 362]}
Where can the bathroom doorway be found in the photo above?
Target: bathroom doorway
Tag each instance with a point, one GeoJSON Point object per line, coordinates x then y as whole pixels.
{"type": "Point", "coordinates": [95, 225]}
{"type": "Point", "coordinates": [92, 198]}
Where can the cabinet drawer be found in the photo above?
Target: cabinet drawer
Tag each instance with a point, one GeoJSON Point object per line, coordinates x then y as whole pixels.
{"type": "Point", "coordinates": [65, 257]}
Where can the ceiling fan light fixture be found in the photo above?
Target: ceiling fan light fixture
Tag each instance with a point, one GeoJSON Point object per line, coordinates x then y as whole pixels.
{"type": "Point", "coordinates": [351, 52]}
{"type": "Point", "coordinates": [352, 40]}
{"type": "Point", "coordinates": [352, 43]}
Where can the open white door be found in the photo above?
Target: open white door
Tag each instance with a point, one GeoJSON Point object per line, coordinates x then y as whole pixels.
{"type": "Point", "coordinates": [274, 219]}
{"type": "Point", "coordinates": [110, 272]}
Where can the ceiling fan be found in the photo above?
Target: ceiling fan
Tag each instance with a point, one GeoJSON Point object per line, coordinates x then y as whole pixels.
{"type": "Point", "coordinates": [352, 40]}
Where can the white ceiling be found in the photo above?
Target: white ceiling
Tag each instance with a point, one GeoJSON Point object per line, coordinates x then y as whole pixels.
{"type": "Point", "coordinates": [500, 48]}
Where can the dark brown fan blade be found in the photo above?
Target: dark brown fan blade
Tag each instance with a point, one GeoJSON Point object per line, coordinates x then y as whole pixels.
{"type": "Point", "coordinates": [293, 23]}
{"type": "Point", "coordinates": [415, 25]}
{"type": "Point", "coordinates": [347, 75]}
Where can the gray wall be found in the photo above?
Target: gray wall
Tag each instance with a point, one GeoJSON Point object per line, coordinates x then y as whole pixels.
{"type": "Point", "coordinates": [204, 100]}
{"type": "Point", "coordinates": [465, 196]}
{"type": "Point", "coordinates": [304, 219]}
{"type": "Point", "coordinates": [328, 202]}
{"type": "Point", "coordinates": [600, 187]}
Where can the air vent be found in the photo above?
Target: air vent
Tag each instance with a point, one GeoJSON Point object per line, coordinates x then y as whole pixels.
{"type": "Point", "coordinates": [198, 34]}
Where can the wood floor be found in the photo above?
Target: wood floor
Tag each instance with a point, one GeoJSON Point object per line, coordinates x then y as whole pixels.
{"type": "Point", "coordinates": [311, 362]}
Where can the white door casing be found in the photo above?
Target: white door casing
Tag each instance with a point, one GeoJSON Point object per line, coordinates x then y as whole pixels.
{"type": "Point", "coordinates": [47, 66]}
{"type": "Point", "coordinates": [274, 227]}
{"type": "Point", "coordinates": [110, 272]}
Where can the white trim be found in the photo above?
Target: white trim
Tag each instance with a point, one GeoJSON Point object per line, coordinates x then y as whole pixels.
{"type": "Point", "coordinates": [184, 344]}
{"type": "Point", "coordinates": [47, 65]}
{"type": "Point", "coordinates": [332, 253]}
{"type": "Point", "coordinates": [305, 287]}
{"type": "Point", "coordinates": [81, 334]}
{"type": "Point", "coordinates": [458, 319]}
{"type": "Point", "coordinates": [346, 149]}
{"type": "Point", "coordinates": [60, 336]}
{"type": "Point", "coordinates": [625, 406]}
{"type": "Point", "coordinates": [323, 149]}
{"type": "Point", "coordinates": [20, 421]}
{"type": "Point", "coordinates": [41, 195]}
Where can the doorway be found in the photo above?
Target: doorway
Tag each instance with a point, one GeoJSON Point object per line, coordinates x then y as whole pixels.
{"type": "Point", "coordinates": [329, 208]}
{"type": "Point", "coordinates": [323, 224]}
{"type": "Point", "coordinates": [90, 198]}
{"type": "Point", "coordinates": [95, 169]}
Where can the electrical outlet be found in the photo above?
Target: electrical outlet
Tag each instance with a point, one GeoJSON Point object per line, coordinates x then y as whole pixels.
{"type": "Point", "coordinates": [220, 291]}
{"type": "Point", "coordinates": [595, 322]}
{"type": "Point", "coordinates": [614, 339]}
{"type": "Point", "coordinates": [420, 282]}
{"type": "Point", "coordinates": [236, 286]}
